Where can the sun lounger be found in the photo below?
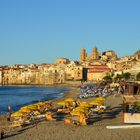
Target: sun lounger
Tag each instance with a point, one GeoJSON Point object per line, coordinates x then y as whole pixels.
{"type": "Point", "coordinates": [15, 125]}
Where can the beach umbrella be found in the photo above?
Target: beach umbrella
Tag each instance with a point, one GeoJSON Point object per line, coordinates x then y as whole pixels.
{"type": "Point", "coordinates": [100, 99]}
{"type": "Point", "coordinates": [63, 103]}
{"type": "Point", "coordinates": [47, 103]}
{"type": "Point", "coordinates": [40, 103]}
{"type": "Point", "coordinates": [25, 110]}
{"type": "Point", "coordinates": [84, 104]}
{"type": "Point", "coordinates": [17, 114]}
{"type": "Point", "coordinates": [31, 107]}
{"type": "Point", "coordinates": [77, 112]}
{"type": "Point", "coordinates": [82, 109]}
{"type": "Point", "coordinates": [69, 100]}
{"type": "Point", "coordinates": [36, 113]}
{"type": "Point", "coordinates": [95, 103]}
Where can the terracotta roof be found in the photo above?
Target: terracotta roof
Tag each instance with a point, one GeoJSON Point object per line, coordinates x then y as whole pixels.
{"type": "Point", "coordinates": [98, 68]}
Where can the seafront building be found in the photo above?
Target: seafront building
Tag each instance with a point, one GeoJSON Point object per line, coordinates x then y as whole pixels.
{"type": "Point", "coordinates": [43, 74]}
{"type": "Point", "coordinates": [90, 68]}
{"type": "Point", "coordinates": [0, 76]}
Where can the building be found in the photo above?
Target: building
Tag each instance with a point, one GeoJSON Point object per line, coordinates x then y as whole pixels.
{"type": "Point", "coordinates": [83, 55]}
{"type": "Point", "coordinates": [61, 61]}
{"type": "Point", "coordinates": [0, 76]}
{"type": "Point", "coordinates": [97, 72]}
{"type": "Point", "coordinates": [97, 56]}
{"type": "Point", "coordinates": [110, 55]}
{"type": "Point", "coordinates": [74, 71]}
{"type": "Point", "coordinates": [137, 55]}
{"type": "Point", "coordinates": [85, 58]}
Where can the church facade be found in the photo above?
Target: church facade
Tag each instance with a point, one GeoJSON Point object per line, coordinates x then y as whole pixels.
{"type": "Point", "coordinates": [96, 55]}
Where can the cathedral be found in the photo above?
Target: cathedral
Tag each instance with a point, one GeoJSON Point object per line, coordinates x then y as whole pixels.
{"type": "Point", "coordinates": [85, 58]}
{"type": "Point", "coordinates": [95, 55]}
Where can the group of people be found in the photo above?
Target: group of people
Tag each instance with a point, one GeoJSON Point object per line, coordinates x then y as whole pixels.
{"type": "Point", "coordinates": [95, 91]}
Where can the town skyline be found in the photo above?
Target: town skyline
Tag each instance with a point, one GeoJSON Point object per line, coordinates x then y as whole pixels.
{"type": "Point", "coordinates": [41, 31]}
{"type": "Point", "coordinates": [79, 57]}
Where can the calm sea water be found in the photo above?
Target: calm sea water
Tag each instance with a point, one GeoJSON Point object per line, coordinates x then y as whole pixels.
{"type": "Point", "coordinates": [18, 96]}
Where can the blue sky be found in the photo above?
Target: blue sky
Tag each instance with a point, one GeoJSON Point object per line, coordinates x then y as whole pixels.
{"type": "Point", "coordinates": [39, 31]}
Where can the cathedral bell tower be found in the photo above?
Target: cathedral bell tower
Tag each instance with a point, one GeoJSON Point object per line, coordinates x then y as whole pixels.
{"type": "Point", "coordinates": [95, 54]}
{"type": "Point", "coordinates": [83, 55]}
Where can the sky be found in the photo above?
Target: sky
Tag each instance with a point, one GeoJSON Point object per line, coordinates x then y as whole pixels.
{"type": "Point", "coordinates": [40, 31]}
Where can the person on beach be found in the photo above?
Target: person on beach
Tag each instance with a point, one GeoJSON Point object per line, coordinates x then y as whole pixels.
{"type": "Point", "coordinates": [2, 134]}
{"type": "Point", "coordinates": [9, 109]}
{"type": "Point", "coordinates": [131, 109]}
{"type": "Point", "coordinates": [9, 113]}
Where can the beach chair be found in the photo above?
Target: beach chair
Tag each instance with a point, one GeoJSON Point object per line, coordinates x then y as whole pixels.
{"type": "Point", "coordinates": [82, 120]}
{"type": "Point", "coordinates": [49, 116]}
{"type": "Point", "coordinates": [14, 125]}
{"type": "Point", "coordinates": [59, 110]}
{"type": "Point", "coordinates": [67, 121]}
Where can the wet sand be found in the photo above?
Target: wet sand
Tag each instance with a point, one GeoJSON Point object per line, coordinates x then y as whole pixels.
{"type": "Point", "coordinates": [95, 130]}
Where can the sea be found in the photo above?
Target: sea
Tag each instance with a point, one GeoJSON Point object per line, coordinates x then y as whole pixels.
{"type": "Point", "coordinates": [19, 96]}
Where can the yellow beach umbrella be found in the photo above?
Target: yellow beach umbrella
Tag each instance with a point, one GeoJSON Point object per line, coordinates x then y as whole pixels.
{"type": "Point", "coordinates": [63, 103]}
{"type": "Point", "coordinates": [95, 103]}
{"type": "Point", "coordinates": [40, 103]}
{"type": "Point", "coordinates": [77, 113]}
{"type": "Point", "coordinates": [36, 113]}
{"type": "Point", "coordinates": [84, 104]}
{"type": "Point", "coordinates": [100, 102]}
{"type": "Point", "coordinates": [26, 110]}
{"type": "Point", "coordinates": [47, 103]}
{"type": "Point", "coordinates": [82, 109]}
{"type": "Point", "coordinates": [31, 107]}
{"type": "Point", "coordinates": [69, 100]}
{"type": "Point", "coordinates": [17, 114]}
{"type": "Point", "coordinates": [100, 99]}
{"type": "Point", "coordinates": [28, 106]}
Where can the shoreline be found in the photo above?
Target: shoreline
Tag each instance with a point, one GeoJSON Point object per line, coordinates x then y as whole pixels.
{"type": "Point", "coordinates": [71, 93]}
{"type": "Point", "coordinates": [68, 83]}
{"type": "Point", "coordinates": [66, 94]}
{"type": "Point", "coordinates": [56, 130]}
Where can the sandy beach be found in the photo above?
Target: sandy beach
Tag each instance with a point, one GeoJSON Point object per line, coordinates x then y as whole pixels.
{"type": "Point", "coordinates": [95, 130]}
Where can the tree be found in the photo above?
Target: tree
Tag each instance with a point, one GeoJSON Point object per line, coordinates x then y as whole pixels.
{"type": "Point", "coordinates": [118, 77]}
{"type": "Point", "coordinates": [126, 75]}
{"type": "Point", "coordinates": [107, 78]}
{"type": "Point", "coordinates": [138, 76]}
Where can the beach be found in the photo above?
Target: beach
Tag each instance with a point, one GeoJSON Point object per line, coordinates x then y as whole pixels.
{"type": "Point", "coordinates": [95, 130]}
